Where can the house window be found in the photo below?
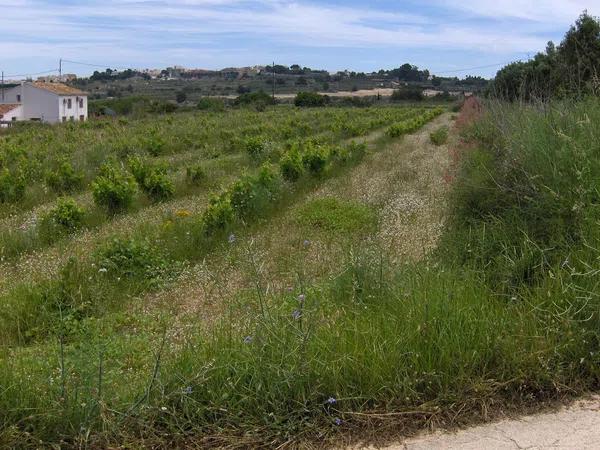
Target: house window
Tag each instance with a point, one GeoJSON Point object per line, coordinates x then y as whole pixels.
{"type": "Point", "coordinates": [72, 118]}
{"type": "Point", "coordinates": [18, 98]}
{"type": "Point", "coordinates": [81, 103]}
{"type": "Point", "coordinates": [70, 103]}
{"type": "Point", "coordinates": [81, 118]}
{"type": "Point", "coordinates": [14, 119]}
{"type": "Point", "coordinates": [64, 118]}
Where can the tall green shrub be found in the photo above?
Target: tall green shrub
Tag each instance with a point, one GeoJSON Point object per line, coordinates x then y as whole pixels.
{"type": "Point", "coordinates": [113, 189]}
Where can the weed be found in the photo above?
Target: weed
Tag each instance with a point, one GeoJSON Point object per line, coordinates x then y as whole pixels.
{"type": "Point", "coordinates": [331, 214]}
{"type": "Point", "coordinates": [135, 259]}
{"type": "Point", "coordinates": [195, 175]}
{"type": "Point", "coordinates": [12, 186]}
{"type": "Point", "coordinates": [439, 136]}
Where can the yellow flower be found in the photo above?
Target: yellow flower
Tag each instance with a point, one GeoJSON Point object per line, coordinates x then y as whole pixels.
{"type": "Point", "coordinates": [182, 213]}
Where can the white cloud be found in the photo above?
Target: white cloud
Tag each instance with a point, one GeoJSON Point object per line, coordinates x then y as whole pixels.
{"type": "Point", "coordinates": [136, 31]}
{"type": "Point", "coordinates": [552, 12]}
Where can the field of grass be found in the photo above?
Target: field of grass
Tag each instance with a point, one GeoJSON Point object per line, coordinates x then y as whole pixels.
{"type": "Point", "coordinates": [280, 278]}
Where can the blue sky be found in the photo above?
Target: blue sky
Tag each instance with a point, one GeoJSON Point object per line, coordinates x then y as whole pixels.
{"type": "Point", "coordinates": [442, 35]}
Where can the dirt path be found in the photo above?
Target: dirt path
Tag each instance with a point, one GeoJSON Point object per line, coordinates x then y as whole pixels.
{"type": "Point", "coordinates": [574, 427]}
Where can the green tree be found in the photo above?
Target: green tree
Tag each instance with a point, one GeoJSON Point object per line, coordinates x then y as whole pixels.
{"type": "Point", "coordinates": [580, 53]}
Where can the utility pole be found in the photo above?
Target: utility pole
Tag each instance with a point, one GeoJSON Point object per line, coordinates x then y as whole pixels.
{"type": "Point", "coordinates": [273, 81]}
{"type": "Point", "coordinates": [3, 86]}
{"type": "Point", "coordinates": [60, 69]}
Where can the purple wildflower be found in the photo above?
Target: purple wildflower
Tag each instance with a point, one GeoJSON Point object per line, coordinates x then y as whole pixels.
{"type": "Point", "coordinates": [337, 421]}
{"type": "Point", "coordinates": [331, 400]}
{"type": "Point", "coordinates": [231, 238]}
{"type": "Point", "coordinates": [187, 390]}
{"type": "Point", "coordinates": [306, 243]}
{"type": "Point", "coordinates": [248, 340]}
{"type": "Point", "coordinates": [301, 298]}
{"type": "Point", "coordinates": [297, 314]}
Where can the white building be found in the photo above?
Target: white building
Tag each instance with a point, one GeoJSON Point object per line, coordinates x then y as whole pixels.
{"type": "Point", "coordinates": [10, 112]}
{"type": "Point", "coordinates": [45, 102]}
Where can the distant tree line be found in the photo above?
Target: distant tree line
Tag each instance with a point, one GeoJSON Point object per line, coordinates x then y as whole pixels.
{"type": "Point", "coordinates": [569, 69]}
{"type": "Point", "coordinates": [407, 72]}
{"type": "Point", "coordinates": [110, 75]}
{"type": "Point", "coordinates": [294, 69]}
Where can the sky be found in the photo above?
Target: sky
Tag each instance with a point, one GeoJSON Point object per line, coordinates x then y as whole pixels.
{"type": "Point", "coordinates": [450, 38]}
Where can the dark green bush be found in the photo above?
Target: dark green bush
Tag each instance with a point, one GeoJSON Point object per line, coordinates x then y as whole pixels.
{"type": "Point", "coordinates": [258, 100]}
{"type": "Point", "coordinates": [158, 186]}
{"type": "Point", "coordinates": [211, 104]}
{"type": "Point", "coordinates": [152, 179]}
{"type": "Point", "coordinates": [255, 147]}
{"type": "Point", "coordinates": [251, 195]}
{"type": "Point", "coordinates": [219, 216]}
{"type": "Point", "coordinates": [407, 94]}
{"type": "Point", "coordinates": [64, 178]}
{"type": "Point", "coordinates": [67, 215]}
{"type": "Point", "coordinates": [315, 158]}
{"type": "Point", "coordinates": [291, 164]}
{"type": "Point", "coordinates": [310, 100]}
{"type": "Point", "coordinates": [113, 189]}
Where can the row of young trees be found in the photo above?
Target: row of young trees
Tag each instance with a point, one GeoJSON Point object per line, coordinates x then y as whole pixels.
{"type": "Point", "coordinates": [570, 69]}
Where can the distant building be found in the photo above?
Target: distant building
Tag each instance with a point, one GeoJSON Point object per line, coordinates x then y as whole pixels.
{"type": "Point", "coordinates": [58, 78]}
{"type": "Point", "coordinates": [44, 102]}
{"type": "Point", "coordinates": [10, 112]}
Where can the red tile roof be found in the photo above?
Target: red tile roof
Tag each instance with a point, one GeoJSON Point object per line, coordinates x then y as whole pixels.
{"type": "Point", "coordinates": [57, 88]}
{"type": "Point", "coordinates": [7, 107]}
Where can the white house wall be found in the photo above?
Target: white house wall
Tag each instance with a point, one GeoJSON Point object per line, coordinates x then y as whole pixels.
{"type": "Point", "coordinates": [40, 104]}
{"type": "Point", "coordinates": [75, 112]}
{"type": "Point", "coordinates": [13, 114]}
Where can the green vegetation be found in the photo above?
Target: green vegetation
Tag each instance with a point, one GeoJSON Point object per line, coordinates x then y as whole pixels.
{"type": "Point", "coordinates": [64, 178]}
{"type": "Point", "coordinates": [113, 189]}
{"type": "Point", "coordinates": [439, 136]}
{"type": "Point", "coordinates": [408, 94]}
{"type": "Point", "coordinates": [413, 124]}
{"type": "Point", "coordinates": [87, 302]}
{"type": "Point", "coordinates": [503, 314]}
{"type": "Point", "coordinates": [211, 104]}
{"type": "Point", "coordinates": [107, 89]}
{"type": "Point", "coordinates": [310, 99]}
{"type": "Point", "coordinates": [67, 215]}
{"type": "Point", "coordinates": [259, 100]}
{"type": "Point", "coordinates": [569, 69]}
{"type": "Point", "coordinates": [333, 215]}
